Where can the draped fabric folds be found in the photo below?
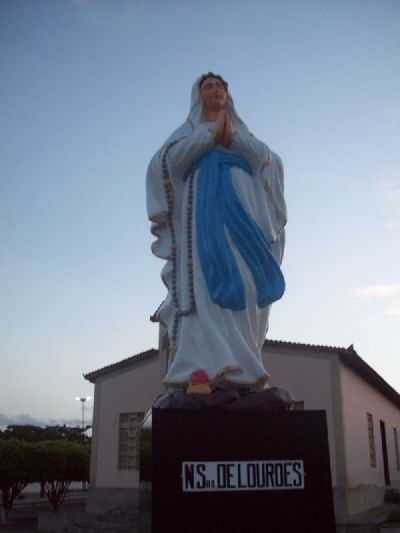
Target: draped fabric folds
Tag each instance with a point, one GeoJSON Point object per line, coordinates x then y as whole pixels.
{"type": "Point", "coordinates": [219, 210]}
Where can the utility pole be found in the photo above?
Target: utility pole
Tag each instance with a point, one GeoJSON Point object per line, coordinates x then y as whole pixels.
{"type": "Point", "coordinates": [83, 400]}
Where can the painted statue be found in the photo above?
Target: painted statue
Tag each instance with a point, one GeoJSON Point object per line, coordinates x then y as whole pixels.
{"type": "Point", "coordinates": [215, 200]}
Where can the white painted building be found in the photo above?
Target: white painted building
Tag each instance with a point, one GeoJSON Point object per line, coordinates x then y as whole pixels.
{"type": "Point", "coordinates": [363, 415]}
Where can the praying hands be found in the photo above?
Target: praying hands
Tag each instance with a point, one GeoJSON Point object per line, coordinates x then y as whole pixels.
{"type": "Point", "coordinates": [224, 129]}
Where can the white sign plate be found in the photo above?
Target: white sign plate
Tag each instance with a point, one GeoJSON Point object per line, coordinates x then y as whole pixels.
{"type": "Point", "coordinates": [242, 475]}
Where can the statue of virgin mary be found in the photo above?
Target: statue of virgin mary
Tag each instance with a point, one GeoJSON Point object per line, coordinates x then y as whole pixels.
{"type": "Point", "coordinates": [215, 200]}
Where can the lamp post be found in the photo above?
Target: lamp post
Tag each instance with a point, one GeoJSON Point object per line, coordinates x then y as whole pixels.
{"type": "Point", "coordinates": [83, 400]}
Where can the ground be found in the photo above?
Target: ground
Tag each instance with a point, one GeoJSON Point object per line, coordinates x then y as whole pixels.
{"type": "Point", "coordinates": [23, 517]}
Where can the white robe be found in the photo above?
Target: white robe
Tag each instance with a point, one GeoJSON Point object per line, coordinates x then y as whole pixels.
{"type": "Point", "coordinates": [226, 344]}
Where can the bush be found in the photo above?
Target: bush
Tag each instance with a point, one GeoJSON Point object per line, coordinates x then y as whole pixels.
{"type": "Point", "coordinates": [57, 464]}
{"type": "Point", "coordinates": [54, 464]}
{"type": "Point", "coordinates": [15, 457]}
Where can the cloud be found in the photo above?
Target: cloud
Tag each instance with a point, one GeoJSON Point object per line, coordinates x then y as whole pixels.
{"type": "Point", "coordinates": [393, 309]}
{"type": "Point", "coordinates": [388, 292]}
{"type": "Point", "coordinates": [26, 419]}
{"type": "Point", "coordinates": [378, 290]}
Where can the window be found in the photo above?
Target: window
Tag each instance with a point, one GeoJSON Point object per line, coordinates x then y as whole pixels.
{"type": "Point", "coordinates": [396, 448]}
{"type": "Point", "coordinates": [371, 440]}
{"type": "Point", "coordinates": [128, 450]}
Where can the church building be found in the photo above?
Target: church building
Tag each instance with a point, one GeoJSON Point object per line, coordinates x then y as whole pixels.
{"type": "Point", "coordinates": [362, 410]}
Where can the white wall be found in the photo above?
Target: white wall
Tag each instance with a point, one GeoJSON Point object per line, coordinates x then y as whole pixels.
{"type": "Point", "coordinates": [132, 390]}
{"type": "Point", "coordinates": [308, 378]}
{"type": "Point", "coordinates": [358, 399]}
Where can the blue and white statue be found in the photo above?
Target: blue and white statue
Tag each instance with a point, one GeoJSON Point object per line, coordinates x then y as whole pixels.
{"type": "Point", "coordinates": [215, 200]}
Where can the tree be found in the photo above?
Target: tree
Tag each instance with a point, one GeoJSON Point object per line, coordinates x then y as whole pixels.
{"type": "Point", "coordinates": [57, 464]}
{"type": "Point", "coordinates": [30, 433]}
{"type": "Point", "coordinates": [15, 457]}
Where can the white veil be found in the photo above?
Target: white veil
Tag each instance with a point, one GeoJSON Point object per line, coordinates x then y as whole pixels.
{"type": "Point", "coordinates": [195, 116]}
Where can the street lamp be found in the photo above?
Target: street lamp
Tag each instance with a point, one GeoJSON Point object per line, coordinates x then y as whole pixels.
{"type": "Point", "coordinates": [83, 400]}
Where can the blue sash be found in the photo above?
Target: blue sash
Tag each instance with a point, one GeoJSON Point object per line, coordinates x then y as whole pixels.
{"type": "Point", "coordinates": [219, 211]}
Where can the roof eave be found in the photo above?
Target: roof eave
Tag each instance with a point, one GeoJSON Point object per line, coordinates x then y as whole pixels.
{"type": "Point", "coordinates": [125, 363]}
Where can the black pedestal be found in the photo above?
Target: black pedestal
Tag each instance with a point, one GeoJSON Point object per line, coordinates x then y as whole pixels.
{"type": "Point", "coordinates": [222, 471]}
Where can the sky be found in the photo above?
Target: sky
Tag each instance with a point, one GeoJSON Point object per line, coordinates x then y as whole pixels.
{"type": "Point", "coordinates": [90, 89]}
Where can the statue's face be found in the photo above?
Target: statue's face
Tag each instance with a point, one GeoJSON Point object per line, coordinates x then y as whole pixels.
{"type": "Point", "coordinates": [213, 94]}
